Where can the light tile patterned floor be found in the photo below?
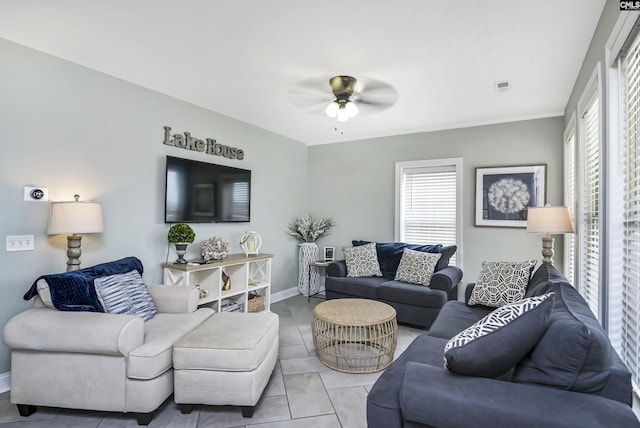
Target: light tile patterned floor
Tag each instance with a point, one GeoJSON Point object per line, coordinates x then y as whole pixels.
{"type": "Point", "coordinates": [301, 393]}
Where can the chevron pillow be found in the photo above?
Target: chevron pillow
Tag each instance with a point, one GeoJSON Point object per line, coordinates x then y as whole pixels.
{"type": "Point", "coordinates": [496, 343]}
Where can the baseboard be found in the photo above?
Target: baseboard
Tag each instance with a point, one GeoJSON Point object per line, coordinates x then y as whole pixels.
{"type": "Point", "coordinates": [284, 294]}
{"type": "Point", "coordinates": [5, 382]}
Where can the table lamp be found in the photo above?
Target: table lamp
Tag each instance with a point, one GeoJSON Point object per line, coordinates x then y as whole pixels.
{"type": "Point", "coordinates": [549, 220]}
{"type": "Point", "coordinates": [75, 217]}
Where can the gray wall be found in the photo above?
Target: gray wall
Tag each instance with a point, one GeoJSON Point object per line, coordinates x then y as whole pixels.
{"type": "Point", "coordinates": [74, 130]}
{"type": "Point", "coordinates": [354, 183]}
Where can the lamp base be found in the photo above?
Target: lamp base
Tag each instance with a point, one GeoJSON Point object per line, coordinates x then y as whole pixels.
{"type": "Point", "coordinates": [547, 249]}
{"type": "Point", "coordinates": [73, 251]}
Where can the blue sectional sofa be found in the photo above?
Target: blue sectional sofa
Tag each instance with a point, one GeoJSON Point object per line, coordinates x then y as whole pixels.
{"type": "Point", "coordinates": [571, 378]}
{"type": "Point", "coordinates": [415, 304]}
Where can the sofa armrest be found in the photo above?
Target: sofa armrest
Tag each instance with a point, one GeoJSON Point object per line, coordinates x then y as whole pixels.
{"type": "Point", "coordinates": [174, 299]}
{"type": "Point", "coordinates": [337, 268]}
{"type": "Point", "coordinates": [446, 279]}
{"type": "Point", "coordinates": [45, 329]}
{"type": "Point", "coordinates": [467, 291]}
{"type": "Point", "coordinates": [437, 397]}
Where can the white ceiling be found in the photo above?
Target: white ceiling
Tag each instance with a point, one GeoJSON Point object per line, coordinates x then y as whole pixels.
{"type": "Point", "coordinates": [241, 58]}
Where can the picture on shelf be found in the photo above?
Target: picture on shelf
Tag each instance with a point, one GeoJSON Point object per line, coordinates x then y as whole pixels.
{"type": "Point", "coordinates": [328, 254]}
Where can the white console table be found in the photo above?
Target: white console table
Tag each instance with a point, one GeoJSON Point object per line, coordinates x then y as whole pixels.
{"type": "Point", "coordinates": [249, 275]}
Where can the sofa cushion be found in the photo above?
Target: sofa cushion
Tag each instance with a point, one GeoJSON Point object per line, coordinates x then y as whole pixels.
{"type": "Point", "coordinates": [362, 261]}
{"type": "Point", "coordinates": [390, 254]}
{"type": "Point", "coordinates": [155, 356]}
{"type": "Point", "coordinates": [366, 287]}
{"type": "Point", "coordinates": [383, 401]}
{"type": "Point", "coordinates": [542, 278]}
{"type": "Point", "coordinates": [411, 294]}
{"type": "Point", "coordinates": [416, 267]}
{"type": "Point", "coordinates": [454, 317]}
{"type": "Point", "coordinates": [500, 283]}
{"type": "Point", "coordinates": [574, 353]}
{"type": "Point", "coordinates": [493, 345]}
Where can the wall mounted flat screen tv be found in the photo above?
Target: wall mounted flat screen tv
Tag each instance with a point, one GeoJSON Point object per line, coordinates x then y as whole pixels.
{"type": "Point", "coordinates": [200, 192]}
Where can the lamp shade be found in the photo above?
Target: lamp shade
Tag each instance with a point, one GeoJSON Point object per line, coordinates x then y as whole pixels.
{"type": "Point", "coordinates": [75, 217]}
{"type": "Point", "coordinates": [549, 220]}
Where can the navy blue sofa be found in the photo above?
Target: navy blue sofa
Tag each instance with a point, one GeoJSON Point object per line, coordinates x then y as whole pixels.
{"type": "Point", "coordinates": [415, 304]}
{"type": "Point", "coordinates": [572, 378]}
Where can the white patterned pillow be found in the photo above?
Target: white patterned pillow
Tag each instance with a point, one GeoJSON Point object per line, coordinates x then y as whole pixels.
{"type": "Point", "coordinates": [417, 267]}
{"type": "Point", "coordinates": [497, 342]}
{"type": "Point", "coordinates": [501, 283]}
{"type": "Point", "coordinates": [362, 260]}
{"type": "Point", "coordinates": [125, 294]}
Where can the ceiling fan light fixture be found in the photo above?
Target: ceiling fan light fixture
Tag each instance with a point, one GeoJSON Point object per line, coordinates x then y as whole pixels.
{"type": "Point", "coordinates": [342, 110]}
{"type": "Point", "coordinates": [332, 109]}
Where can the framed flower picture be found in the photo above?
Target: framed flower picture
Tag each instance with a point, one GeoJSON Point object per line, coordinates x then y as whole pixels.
{"type": "Point", "coordinates": [504, 194]}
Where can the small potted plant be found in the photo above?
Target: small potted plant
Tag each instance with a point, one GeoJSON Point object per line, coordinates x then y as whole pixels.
{"type": "Point", "coordinates": [181, 235]}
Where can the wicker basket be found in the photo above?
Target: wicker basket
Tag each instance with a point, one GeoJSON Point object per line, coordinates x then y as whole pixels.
{"type": "Point", "coordinates": [255, 303]}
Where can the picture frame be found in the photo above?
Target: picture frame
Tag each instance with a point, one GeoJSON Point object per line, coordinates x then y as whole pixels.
{"type": "Point", "coordinates": [504, 194]}
{"type": "Point", "coordinates": [329, 254]}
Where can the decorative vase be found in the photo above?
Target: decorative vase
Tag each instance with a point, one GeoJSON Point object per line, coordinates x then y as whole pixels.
{"type": "Point", "coordinates": [181, 249]}
{"type": "Point", "coordinates": [308, 279]}
{"type": "Point", "coordinates": [251, 243]}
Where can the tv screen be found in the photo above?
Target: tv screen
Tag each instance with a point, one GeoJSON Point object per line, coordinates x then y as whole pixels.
{"type": "Point", "coordinates": [200, 192]}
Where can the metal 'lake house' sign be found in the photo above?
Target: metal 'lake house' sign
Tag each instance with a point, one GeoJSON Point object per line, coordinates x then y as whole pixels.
{"type": "Point", "coordinates": [208, 146]}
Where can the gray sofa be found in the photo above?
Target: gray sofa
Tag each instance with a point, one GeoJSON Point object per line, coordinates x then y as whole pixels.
{"type": "Point", "coordinates": [415, 304]}
{"type": "Point", "coordinates": [571, 378]}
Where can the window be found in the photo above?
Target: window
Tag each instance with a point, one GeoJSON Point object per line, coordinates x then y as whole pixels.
{"type": "Point", "coordinates": [630, 150]}
{"type": "Point", "coordinates": [570, 241]}
{"type": "Point", "coordinates": [428, 200]}
{"type": "Point", "coordinates": [588, 196]}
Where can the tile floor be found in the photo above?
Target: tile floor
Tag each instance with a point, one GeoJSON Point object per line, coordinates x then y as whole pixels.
{"type": "Point", "coordinates": [301, 393]}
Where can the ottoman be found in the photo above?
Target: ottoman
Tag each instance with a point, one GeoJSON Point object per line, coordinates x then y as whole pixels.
{"type": "Point", "coordinates": [227, 360]}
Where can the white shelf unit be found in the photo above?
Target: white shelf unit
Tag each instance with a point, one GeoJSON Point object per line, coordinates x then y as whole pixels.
{"type": "Point", "coordinates": [249, 275]}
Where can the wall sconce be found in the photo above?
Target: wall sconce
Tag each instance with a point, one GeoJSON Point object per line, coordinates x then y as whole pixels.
{"type": "Point", "coordinates": [75, 217]}
{"type": "Point", "coordinates": [549, 220]}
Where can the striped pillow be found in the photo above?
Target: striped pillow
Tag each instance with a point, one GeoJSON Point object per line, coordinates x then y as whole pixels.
{"type": "Point", "coordinates": [125, 294]}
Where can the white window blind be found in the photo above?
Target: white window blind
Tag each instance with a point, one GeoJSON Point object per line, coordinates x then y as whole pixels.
{"type": "Point", "coordinates": [570, 201]}
{"type": "Point", "coordinates": [428, 205]}
{"type": "Point", "coordinates": [589, 239]}
{"type": "Point", "coordinates": [631, 210]}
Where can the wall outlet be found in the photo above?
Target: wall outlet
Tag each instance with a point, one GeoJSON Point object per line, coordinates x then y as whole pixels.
{"type": "Point", "coordinates": [20, 243]}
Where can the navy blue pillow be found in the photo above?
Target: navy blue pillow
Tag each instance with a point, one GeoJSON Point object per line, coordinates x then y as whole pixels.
{"type": "Point", "coordinates": [74, 291]}
{"type": "Point", "coordinates": [390, 253]}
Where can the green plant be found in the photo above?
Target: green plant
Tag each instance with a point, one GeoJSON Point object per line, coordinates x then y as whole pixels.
{"type": "Point", "coordinates": [308, 229]}
{"type": "Point", "coordinates": [181, 233]}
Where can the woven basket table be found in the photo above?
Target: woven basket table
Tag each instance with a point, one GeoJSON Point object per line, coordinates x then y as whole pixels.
{"type": "Point", "coordinates": [355, 335]}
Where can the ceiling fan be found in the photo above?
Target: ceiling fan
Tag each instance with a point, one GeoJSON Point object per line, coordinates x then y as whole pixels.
{"type": "Point", "coordinates": [350, 96]}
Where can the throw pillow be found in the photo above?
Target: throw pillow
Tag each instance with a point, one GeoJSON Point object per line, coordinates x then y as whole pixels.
{"type": "Point", "coordinates": [501, 283]}
{"type": "Point", "coordinates": [390, 253]}
{"type": "Point", "coordinates": [126, 294]}
{"type": "Point", "coordinates": [362, 260]}
{"type": "Point", "coordinates": [416, 267]}
{"type": "Point", "coordinates": [496, 343]}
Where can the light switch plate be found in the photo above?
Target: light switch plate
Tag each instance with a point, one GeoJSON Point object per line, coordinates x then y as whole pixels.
{"type": "Point", "coordinates": [20, 243]}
